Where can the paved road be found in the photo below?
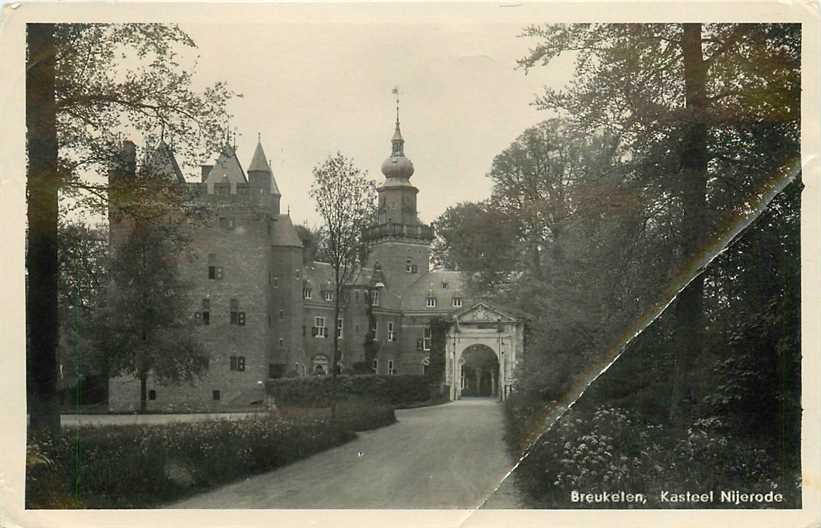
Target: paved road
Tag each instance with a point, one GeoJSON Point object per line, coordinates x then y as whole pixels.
{"type": "Point", "coordinates": [447, 456]}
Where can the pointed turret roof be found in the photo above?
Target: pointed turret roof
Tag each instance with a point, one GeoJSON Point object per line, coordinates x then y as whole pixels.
{"type": "Point", "coordinates": [259, 162]}
{"type": "Point", "coordinates": [285, 234]}
{"type": "Point", "coordinates": [161, 161]}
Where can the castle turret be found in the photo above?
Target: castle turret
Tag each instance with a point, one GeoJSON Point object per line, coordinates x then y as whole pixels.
{"type": "Point", "coordinates": [261, 177]}
{"type": "Point", "coordinates": [400, 243]}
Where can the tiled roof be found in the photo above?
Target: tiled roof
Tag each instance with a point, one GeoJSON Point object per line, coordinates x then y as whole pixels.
{"type": "Point", "coordinates": [431, 284]}
{"type": "Point", "coordinates": [259, 162]}
{"type": "Point", "coordinates": [161, 161]}
{"type": "Point", "coordinates": [284, 234]}
{"type": "Point", "coordinates": [227, 168]}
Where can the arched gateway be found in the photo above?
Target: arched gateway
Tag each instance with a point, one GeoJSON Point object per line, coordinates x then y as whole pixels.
{"type": "Point", "coordinates": [482, 349]}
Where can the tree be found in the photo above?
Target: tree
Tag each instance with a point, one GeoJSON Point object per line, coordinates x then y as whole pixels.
{"type": "Point", "coordinates": [41, 238]}
{"type": "Point", "coordinates": [82, 281]}
{"type": "Point", "coordinates": [144, 325]}
{"type": "Point", "coordinates": [86, 85]}
{"type": "Point", "coordinates": [680, 92]}
{"type": "Point", "coordinates": [480, 241]}
{"type": "Point", "coordinates": [345, 200]}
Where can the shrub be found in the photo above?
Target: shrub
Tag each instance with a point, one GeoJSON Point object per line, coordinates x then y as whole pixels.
{"type": "Point", "coordinates": [315, 391]}
{"type": "Point", "coordinates": [143, 465]}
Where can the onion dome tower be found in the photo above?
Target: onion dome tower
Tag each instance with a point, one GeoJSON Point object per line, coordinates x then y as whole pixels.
{"type": "Point", "coordinates": [398, 234]}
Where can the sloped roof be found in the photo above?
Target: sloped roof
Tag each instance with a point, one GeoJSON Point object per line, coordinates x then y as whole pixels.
{"type": "Point", "coordinates": [319, 274]}
{"type": "Point", "coordinates": [284, 233]}
{"type": "Point", "coordinates": [227, 168]}
{"type": "Point", "coordinates": [415, 296]}
{"type": "Point", "coordinates": [161, 161]}
{"type": "Point", "coordinates": [259, 162]}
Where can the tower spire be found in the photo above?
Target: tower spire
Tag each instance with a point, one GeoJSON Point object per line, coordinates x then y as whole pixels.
{"type": "Point", "coordinates": [397, 141]}
{"type": "Point", "coordinates": [395, 92]}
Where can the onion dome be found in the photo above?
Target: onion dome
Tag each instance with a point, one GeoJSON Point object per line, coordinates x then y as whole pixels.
{"type": "Point", "coordinates": [397, 166]}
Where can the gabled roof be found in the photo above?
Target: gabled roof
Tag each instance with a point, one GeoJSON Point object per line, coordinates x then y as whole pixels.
{"type": "Point", "coordinates": [284, 233]}
{"type": "Point", "coordinates": [482, 312]}
{"type": "Point", "coordinates": [227, 168]}
{"type": "Point", "coordinates": [160, 161]}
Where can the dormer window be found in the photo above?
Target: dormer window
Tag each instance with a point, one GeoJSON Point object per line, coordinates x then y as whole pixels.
{"type": "Point", "coordinates": [327, 295]}
{"type": "Point", "coordinates": [374, 298]}
{"type": "Point", "coordinates": [444, 285]}
{"type": "Point", "coordinates": [456, 302]}
{"type": "Point", "coordinates": [430, 302]}
{"type": "Point", "coordinates": [409, 266]}
{"type": "Point", "coordinates": [307, 293]}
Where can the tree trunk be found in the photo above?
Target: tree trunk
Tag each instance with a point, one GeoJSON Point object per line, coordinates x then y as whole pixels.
{"type": "Point", "coordinates": [689, 308]}
{"type": "Point", "coordinates": [41, 254]}
{"type": "Point", "coordinates": [337, 298]}
{"type": "Point", "coordinates": [143, 392]}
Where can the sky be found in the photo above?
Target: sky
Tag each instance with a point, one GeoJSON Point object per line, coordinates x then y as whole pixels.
{"type": "Point", "coordinates": [314, 85]}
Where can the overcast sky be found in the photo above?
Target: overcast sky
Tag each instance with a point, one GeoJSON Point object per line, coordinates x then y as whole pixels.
{"type": "Point", "coordinates": [315, 86]}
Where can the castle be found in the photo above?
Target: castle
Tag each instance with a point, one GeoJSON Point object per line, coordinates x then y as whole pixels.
{"type": "Point", "coordinates": [263, 312]}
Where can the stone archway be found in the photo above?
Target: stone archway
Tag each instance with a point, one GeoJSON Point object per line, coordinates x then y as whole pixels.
{"type": "Point", "coordinates": [499, 336]}
{"type": "Point", "coordinates": [479, 371]}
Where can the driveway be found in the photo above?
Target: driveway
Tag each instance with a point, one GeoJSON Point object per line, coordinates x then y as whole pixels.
{"type": "Point", "coordinates": [447, 456]}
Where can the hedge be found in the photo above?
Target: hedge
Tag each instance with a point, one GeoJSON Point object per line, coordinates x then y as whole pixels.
{"type": "Point", "coordinates": [315, 391]}
{"type": "Point", "coordinates": [136, 466]}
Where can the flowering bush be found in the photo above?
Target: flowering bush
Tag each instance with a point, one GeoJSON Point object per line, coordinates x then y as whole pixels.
{"type": "Point", "coordinates": [144, 465]}
{"type": "Point", "coordinates": [611, 450]}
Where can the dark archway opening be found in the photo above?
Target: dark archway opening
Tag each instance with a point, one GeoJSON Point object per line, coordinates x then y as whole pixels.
{"type": "Point", "coordinates": [480, 372]}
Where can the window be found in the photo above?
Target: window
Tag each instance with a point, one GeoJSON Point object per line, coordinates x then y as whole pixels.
{"type": "Point", "coordinates": [306, 292]}
{"type": "Point", "coordinates": [374, 329]}
{"type": "Point", "coordinates": [414, 269]}
{"type": "Point", "coordinates": [152, 394]}
{"type": "Point", "coordinates": [391, 370]}
{"type": "Point", "coordinates": [409, 266]}
{"type": "Point", "coordinates": [391, 334]}
{"type": "Point", "coordinates": [457, 302]}
{"type": "Point", "coordinates": [215, 395]}
{"type": "Point", "coordinates": [238, 363]}
{"type": "Point", "coordinates": [214, 271]}
{"type": "Point", "coordinates": [430, 302]}
{"type": "Point", "coordinates": [327, 295]}
{"type": "Point", "coordinates": [340, 327]}
{"type": "Point", "coordinates": [237, 317]}
{"type": "Point", "coordinates": [298, 274]}
{"type": "Point", "coordinates": [281, 342]}
{"type": "Point", "coordinates": [227, 222]}
{"type": "Point", "coordinates": [374, 298]}
{"type": "Point", "coordinates": [206, 311]}
{"type": "Point", "coordinates": [426, 339]}
{"type": "Point", "coordinates": [444, 285]}
{"type": "Point", "coordinates": [275, 281]}
{"type": "Point", "coordinates": [375, 366]}
{"type": "Point", "coordinates": [319, 330]}
{"type": "Point", "coordinates": [282, 314]}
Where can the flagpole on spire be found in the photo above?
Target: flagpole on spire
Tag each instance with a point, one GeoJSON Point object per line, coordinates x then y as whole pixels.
{"type": "Point", "coordinates": [395, 92]}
